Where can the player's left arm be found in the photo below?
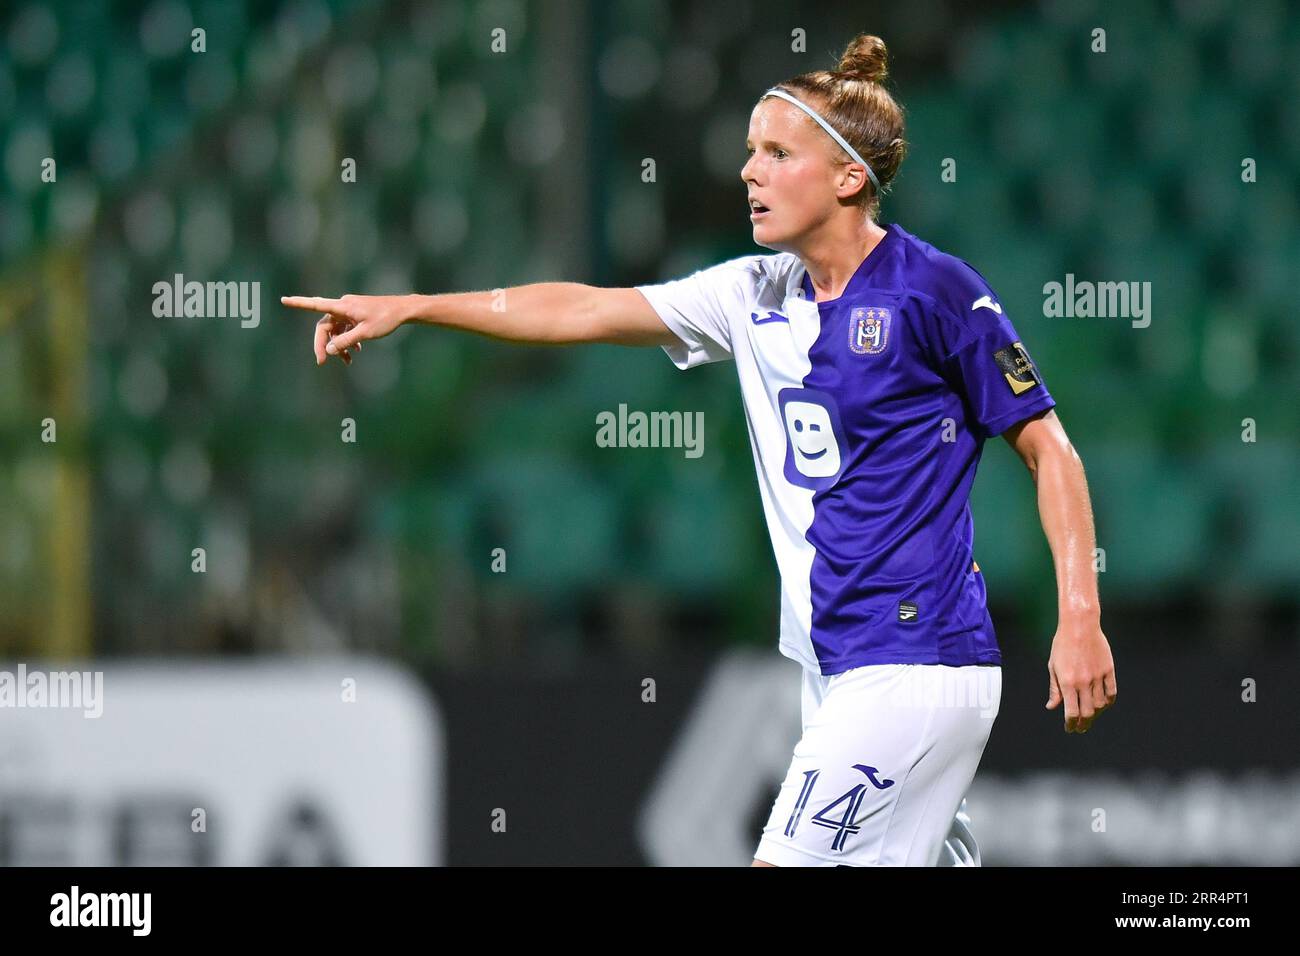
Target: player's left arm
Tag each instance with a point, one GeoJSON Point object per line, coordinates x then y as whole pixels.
{"type": "Point", "coordinates": [1081, 672]}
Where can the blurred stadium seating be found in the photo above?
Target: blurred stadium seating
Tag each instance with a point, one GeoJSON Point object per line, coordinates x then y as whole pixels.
{"type": "Point", "coordinates": [483, 170]}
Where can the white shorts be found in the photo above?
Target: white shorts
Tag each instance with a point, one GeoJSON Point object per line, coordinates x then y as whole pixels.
{"type": "Point", "coordinates": [879, 777]}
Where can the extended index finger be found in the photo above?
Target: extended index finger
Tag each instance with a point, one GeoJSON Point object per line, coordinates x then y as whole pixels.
{"type": "Point", "coordinates": [314, 303]}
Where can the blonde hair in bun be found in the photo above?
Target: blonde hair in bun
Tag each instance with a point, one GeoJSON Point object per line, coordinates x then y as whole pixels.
{"type": "Point", "coordinates": [853, 99]}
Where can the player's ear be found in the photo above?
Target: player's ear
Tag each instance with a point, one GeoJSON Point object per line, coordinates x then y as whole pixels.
{"type": "Point", "coordinates": [853, 179]}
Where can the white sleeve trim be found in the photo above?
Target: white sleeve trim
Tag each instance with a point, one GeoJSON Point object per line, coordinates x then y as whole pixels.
{"type": "Point", "coordinates": [696, 309]}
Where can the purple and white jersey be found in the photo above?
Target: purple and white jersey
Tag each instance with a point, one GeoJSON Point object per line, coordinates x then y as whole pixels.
{"type": "Point", "coordinates": [867, 416]}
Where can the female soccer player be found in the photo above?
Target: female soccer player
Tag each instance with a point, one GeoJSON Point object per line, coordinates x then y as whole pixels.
{"type": "Point", "coordinates": [872, 367]}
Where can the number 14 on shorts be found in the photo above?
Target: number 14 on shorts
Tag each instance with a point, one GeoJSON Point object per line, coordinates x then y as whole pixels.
{"type": "Point", "coordinates": [852, 798]}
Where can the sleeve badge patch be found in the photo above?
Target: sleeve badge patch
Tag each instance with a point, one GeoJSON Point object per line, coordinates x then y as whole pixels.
{"type": "Point", "coordinates": [1017, 368]}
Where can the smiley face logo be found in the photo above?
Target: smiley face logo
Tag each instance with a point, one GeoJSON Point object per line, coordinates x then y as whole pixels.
{"type": "Point", "coordinates": [812, 441]}
{"type": "Point", "coordinates": [814, 456]}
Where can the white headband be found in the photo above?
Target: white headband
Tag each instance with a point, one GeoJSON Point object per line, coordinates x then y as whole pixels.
{"type": "Point", "coordinates": [827, 126]}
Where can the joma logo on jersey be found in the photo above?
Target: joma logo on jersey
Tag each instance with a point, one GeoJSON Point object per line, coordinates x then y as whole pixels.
{"type": "Point", "coordinates": [869, 330]}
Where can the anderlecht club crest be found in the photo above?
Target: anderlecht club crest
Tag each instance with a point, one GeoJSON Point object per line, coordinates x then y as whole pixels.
{"type": "Point", "coordinates": [869, 330]}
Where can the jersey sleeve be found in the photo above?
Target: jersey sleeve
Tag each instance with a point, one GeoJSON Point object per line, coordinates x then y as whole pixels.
{"type": "Point", "coordinates": [696, 309]}
{"type": "Point", "coordinates": [981, 354]}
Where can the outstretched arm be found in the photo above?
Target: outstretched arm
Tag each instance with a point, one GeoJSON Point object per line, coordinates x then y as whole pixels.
{"type": "Point", "coordinates": [1081, 672]}
{"type": "Point", "coordinates": [551, 313]}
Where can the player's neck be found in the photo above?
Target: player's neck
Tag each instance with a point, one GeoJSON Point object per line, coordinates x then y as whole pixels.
{"type": "Point", "coordinates": [832, 260]}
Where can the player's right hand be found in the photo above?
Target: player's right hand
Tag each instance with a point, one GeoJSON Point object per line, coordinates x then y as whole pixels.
{"type": "Point", "coordinates": [350, 320]}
